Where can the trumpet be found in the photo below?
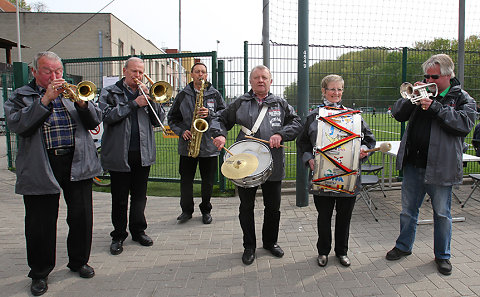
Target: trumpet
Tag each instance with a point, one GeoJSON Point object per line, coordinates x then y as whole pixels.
{"type": "Point", "coordinates": [84, 91]}
{"type": "Point", "coordinates": [157, 92]}
{"type": "Point", "coordinates": [415, 93]}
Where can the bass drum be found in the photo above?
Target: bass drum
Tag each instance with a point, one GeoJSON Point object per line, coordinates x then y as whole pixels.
{"type": "Point", "coordinates": [265, 162]}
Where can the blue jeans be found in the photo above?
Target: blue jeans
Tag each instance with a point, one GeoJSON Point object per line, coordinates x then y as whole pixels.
{"type": "Point", "coordinates": [413, 193]}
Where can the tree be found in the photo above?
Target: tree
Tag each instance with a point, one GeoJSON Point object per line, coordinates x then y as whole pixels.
{"type": "Point", "coordinates": [22, 4]}
{"type": "Point", "coordinates": [373, 76]}
{"type": "Point", "coordinates": [39, 7]}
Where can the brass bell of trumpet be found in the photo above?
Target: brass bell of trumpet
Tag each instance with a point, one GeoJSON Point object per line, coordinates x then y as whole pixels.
{"type": "Point", "coordinates": [84, 91]}
{"type": "Point", "coordinates": [415, 93]}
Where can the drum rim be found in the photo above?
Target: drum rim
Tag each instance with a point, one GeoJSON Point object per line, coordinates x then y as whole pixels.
{"type": "Point", "coordinates": [262, 176]}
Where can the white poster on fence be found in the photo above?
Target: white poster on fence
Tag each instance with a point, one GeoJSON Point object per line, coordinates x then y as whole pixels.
{"type": "Point", "coordinates": [109, 80]}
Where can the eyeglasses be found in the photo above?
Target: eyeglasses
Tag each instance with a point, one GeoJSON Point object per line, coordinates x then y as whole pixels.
{"type": "Point", "coordinates": [334, 90]}
{"type": "Point", "coordinates": [434, 76]}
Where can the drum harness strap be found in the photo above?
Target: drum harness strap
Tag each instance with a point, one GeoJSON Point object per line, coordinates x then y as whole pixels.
{"type": "Point", "coordinates": [333, 145]}
{"type": "Point", "coordinates": [257, 124]}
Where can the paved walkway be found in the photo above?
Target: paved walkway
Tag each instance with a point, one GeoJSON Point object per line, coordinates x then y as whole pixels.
{"type": "Point", "coordinates": [205, 260]}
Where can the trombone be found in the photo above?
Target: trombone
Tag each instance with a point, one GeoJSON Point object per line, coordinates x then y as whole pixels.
{"type": "Point", "coordinates": [84, 91]}
{"type": "Point", "coordinates": [160, 92]}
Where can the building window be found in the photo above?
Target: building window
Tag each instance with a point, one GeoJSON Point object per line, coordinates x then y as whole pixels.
{"type": "Point", "coordinates": [132, 51]}
{"type": "Point", "coordinates": [120, 47]}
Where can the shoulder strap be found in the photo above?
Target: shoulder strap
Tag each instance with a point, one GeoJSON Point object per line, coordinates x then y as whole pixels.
{"type": "Point", "coordinates": [257, 122]}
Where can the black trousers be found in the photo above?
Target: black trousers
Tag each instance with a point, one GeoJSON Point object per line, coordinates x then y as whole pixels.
{"type": "Point", "coordinates": [344, 208]}
{"type": "Point", "coordinates": [187, 169]}
{"type": "Point", "coordinates": [135, 184]}
{"type": "Point", "coordinates": [41, 213]}
{"type": "Point", "coordinates": [271, 191]}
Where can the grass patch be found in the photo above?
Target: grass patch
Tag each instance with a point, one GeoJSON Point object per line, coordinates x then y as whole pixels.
{"type": "Point", "coordinates": [172, 190]}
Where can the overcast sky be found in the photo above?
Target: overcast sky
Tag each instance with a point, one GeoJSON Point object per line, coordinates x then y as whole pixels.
{"type": "Point", "coordinates": [203, 22]}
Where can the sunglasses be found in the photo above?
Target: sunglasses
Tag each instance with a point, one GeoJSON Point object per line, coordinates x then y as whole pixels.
{"type": "Point", "coordinates": [434, 76]}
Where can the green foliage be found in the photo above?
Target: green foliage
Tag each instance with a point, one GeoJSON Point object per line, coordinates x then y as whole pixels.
{"type": "Point", "coordinates": [373, 75]}
{"type": "Point", "coordinates": [22, 4]}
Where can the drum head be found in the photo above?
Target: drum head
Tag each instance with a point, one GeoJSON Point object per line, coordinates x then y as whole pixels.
{"type": "Point", "coordinates": [256, 148]}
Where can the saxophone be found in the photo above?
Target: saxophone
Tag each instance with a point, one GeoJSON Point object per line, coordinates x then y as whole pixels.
{"type": "Point", "coordinates": [199, 125]}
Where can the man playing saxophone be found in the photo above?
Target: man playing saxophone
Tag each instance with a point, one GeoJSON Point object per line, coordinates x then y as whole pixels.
{"type": "Point", "coordinates": [198, 100]}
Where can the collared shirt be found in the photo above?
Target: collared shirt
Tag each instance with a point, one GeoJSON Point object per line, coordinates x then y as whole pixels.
{"type": "Point", "coordinates": [59, 127]}
{"type": "Point", "coordinates": [442, 94]}
{"type": "Point", "coordinates": [260, 100]}
{"type": "Point", "coordinates": [130, 89]}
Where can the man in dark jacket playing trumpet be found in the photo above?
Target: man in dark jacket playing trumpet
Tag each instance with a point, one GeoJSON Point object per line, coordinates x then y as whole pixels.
{"type": "Point", "coordinates": [430, 156]}
{"type": "Point", "coordinates": [56, 153]}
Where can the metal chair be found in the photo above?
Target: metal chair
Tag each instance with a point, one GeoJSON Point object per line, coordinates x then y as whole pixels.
{"type": "Point", "coordinates": [368, 182]}
{"type": "Point", "coordinates": [475, 176]}
{"type": "Point", "coordinates": [476, 183]}
{"type": "Point", "coordinates": [371, 169]}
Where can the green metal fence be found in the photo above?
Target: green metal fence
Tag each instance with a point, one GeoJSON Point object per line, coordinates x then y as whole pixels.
{"type": "Point", "coordinates": [372, 79]}
{"type": "Point", "coordinates": [7, 86]}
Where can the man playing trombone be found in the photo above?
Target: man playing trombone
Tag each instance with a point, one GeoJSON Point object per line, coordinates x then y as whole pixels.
{"type": "Point", "coordinates": [128, 151]}
{"type": "Point", "coordinates": [430, 154]}
{"type": "Point", "coordinates": [56, 153]}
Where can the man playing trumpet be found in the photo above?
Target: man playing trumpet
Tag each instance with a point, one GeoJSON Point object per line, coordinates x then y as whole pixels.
{"type": "Point", "coordinates": [128, 150]}
{"type": "Point", "coordinates": [430, 156]}
{"type": "Point", "coordinates": [56, 153]}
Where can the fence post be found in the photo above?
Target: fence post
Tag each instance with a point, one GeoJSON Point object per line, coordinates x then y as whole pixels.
{"type": "Point", "coordinates": [245, 66]}
{"type": "Point", "coordinates": [20, 74]}
{"type": "Point", "coordinates": [221, 89]}
{"type": "Point", "coordinates": [404, 79]}
{"type": "Point", "coordinates": [303, 96]}
{"type": "Point", "coordinates": [7, 134]}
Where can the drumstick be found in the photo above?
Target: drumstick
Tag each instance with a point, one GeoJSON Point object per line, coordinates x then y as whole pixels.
{"type": "Point", "coordinates": [225, 148]}
{"type": "Point", "coordinates": [264, 141]}
{"type": "Point", "coordinates": [384, 147]}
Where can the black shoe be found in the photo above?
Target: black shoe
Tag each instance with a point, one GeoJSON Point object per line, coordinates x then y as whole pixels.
{"type": "Point", "coordinates": [275, 249]}
{"type": "Point", "coordinates": [206, 218]}
{"type": "Point", "coordinates": [248, 256]}
{"type": "Point", "coordinates": [183, 217]}
{"type": "Point", "coordinates": [444, 266]}
{"type": "Point", "coordinates": [116, 247]}
{"type": "Point", "coordinates": [322, 260]}
{"type": "Point", "coordinates": [39, 286]}
{"type": "Point", "coordinates": [143, 239]}
{"type": "Point", "coordinates": [344, 260]}
{"type": "Point", "coordinates": [396, 254]}
{"type": "Point", "coordinates": [85, 271]}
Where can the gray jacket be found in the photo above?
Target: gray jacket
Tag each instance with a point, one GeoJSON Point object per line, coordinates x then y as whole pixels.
{"type": "Point", "coordinates": [453, 118]}
{"type": "Point", "coordinates": [181, 114]}
{"type": "Point", "coordinates": [279, 119]}
{"type": "Point", "coordinates": [25, 116]}
{"type": "Point", "coordinates": [117, 129]}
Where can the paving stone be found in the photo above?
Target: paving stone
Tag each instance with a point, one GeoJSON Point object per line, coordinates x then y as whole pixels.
{"type": "Point", "coordinates": [194, 259]}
